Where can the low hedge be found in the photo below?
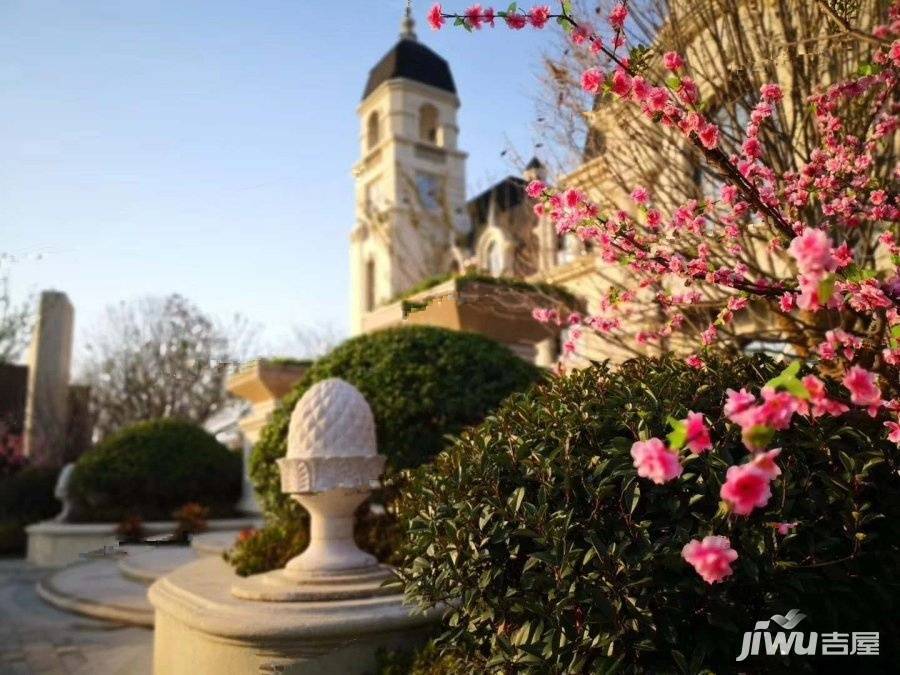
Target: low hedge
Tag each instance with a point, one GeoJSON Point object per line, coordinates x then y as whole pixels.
{"type": "Point", "coordinates": [554, 556]}
{"type": "Point", "coordinates": [153, 468]}
{"type": "Point", "coordinates": [25, 497]}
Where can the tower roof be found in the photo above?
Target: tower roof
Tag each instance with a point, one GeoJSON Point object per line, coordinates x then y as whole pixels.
{"type": "Point", "coordinates": [411, 60]}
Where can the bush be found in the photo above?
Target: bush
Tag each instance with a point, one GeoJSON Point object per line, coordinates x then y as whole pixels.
{"type": "Point", "coordinates": [152, 468]}
{"type": "Point", "coordinates": [423, 383]}
{"type": "Point", "coordinates": [555, 557]}
{"type": "Point", "coordinates": [25, 497]}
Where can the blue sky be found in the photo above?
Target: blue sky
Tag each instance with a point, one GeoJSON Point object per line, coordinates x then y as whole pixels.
{"type": "Point", "coordinates": [205, 147]}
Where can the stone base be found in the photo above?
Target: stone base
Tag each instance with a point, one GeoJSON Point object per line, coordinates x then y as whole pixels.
{"type": "Point", "coordinates": [201, 628]}
{"type": "Point", "coordinates": [281, 586]}
{"type": "Point", "coordinates": [52, 544]}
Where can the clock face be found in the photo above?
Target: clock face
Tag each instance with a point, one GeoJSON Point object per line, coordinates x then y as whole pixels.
{"type": "Point", "coordinates": [429, 189]}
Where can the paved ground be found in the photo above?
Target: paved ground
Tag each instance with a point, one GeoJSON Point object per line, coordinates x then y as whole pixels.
{"type": "Point", "coordinates": [36, 638]}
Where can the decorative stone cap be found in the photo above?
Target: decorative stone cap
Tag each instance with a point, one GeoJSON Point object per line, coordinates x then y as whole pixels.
{"type": "Point", "coordinates": [331, 441]}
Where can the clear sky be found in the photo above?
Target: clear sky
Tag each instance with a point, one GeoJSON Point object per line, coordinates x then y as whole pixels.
{"type": "Point", "coordinates": [205, 147]}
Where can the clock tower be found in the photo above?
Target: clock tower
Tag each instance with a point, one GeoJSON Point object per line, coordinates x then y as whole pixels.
{"type": "Point", "coordinates": [410, 180]}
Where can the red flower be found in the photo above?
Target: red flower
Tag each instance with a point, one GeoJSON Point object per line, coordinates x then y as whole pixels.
{"type": "Point", "coordinates": [539, 16]}
{"type": "Point", "coordinates": [474, 16]}
{"type": "Point", "coordinates": [436, 17]}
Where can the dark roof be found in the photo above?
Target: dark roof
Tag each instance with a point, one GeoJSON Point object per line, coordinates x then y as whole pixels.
{"type": "Point", "coordinates": [507, 194]}
{"type": "Point", "coordinates": [535, 163]}
{"type": "Point", "coordinates": [411, 60]}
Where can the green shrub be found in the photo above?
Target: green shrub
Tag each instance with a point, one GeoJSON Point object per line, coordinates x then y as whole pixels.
{"type": "Point", "coordinates": [25, 497]}
{"type": "Point", "coordinates": [555, 557]}
{"type": "Point", "coordinates": [423, 383]}
{"type": "Point", "coordinates": [151, 469]}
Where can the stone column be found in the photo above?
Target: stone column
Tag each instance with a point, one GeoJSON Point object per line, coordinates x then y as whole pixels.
{"type": "Point", "coordinates": [263, 383]}
{"type": "Point", "coordinates": [49, 361]}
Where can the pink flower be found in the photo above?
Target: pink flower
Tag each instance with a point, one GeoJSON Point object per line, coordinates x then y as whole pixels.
{"type": "Point", "coordinates": [640, 195]}
{"type": "Point", "coordinates": [539, 16]}
{"type": "Point", "coordinates": [737, 405]}
{"type": "Point", "coordinates": [862, 387]}
{"type": "Point", "coordinates": [787, 302]}
{"type": "Point", "coordinates": [474, 17]}
{"type": "Point", "coordinates": [436, 17]}
{"type": "Point", "coordinates": [695, 362]}
{"type": "Point", "coordinates": [785, 528]}
{"type": "Point", "coordinates": [640, 88]}
{"type": "Point", "coordinates": [771, 93]}
{"type": "Point", "coordinates": [689, 92]}
{"type": "Point", "coordinates": [617, 16]}
{"type": "Point", "coordinates": [777, 410]}
{"type": "Point", "coordinates": [488, 16]}
{"type": "Point", "coordinates": [698, 440]}
{"type": "Point", "coordinates": [654, 461]}
{"type": "Point", "coordinates": [621, 82]}
{"type": "Point", "coordinates": [746, 487]}
{"type": "Point", "coordinates": [516, 21]}
{"type": "Point", "coordinates": [711, 558]}
{"type": "Point", "coordinates": [535, 189]}
{"type": "Point", "coordinates": [765, 462]}
{"type": "Point", "coordinates": [592, 80]}
{"type": "Point", "coordinates": [709, 136]}
{"type": "Point", "coordinates": [812, 250]}
{"type": "Point", "coordinates": [673, 61]}
{"type": "Point", "coordinates": [893, 432]}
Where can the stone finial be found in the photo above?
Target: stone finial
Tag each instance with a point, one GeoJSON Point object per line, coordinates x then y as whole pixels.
{"type": "Point", "coordinates": [331, 441]}
{"type": "Point", "coordinates": [331, 465]}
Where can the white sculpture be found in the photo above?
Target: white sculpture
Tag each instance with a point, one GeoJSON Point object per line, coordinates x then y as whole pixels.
{"type": "Point", "coordinates": [62, 492]}
{"type": "Point", "coordinates": [331, 466]}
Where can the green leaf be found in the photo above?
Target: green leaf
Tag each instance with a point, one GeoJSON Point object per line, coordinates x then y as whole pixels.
{"type": "Point", "coordinates": [759, 436]}
{"type": "Point", "coordinates": [826, 288]}
{"type": "Point", "coordinates": [678, 436]}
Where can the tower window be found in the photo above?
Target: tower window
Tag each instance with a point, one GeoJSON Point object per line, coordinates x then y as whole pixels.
{"type": "Point", "coordinates": [372, 130]}
{"type": "Point", "coordinates": [370, 285]}
{"type": "Point", "coordinates": [429, 189]}
{"type": "Point", "coordinates": [428, 123]}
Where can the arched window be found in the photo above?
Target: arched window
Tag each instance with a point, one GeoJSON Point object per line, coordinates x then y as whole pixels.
{"type": "Point", "coordinates": [370, 285]}
{"type": "Point", "coordinates": [372, 130]}
{"type": "Point", "coordinates": [495, 259]}
{"type": "Point", "coordinates": [428, 123]}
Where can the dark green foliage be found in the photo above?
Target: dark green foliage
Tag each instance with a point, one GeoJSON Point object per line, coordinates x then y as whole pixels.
{"type": "Point", "coordinates": [555, 557]}
{"type": "Point", "coordinates": [152, 468]}
{"type": "Point", "coordinates": [422, 383]}
{"type": "Point", "coordinates": [25, 497]}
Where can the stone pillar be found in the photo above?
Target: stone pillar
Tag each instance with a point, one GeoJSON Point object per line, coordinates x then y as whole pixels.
{"type": "Point", "coordinates": [49, 361]}
{"type": "Point", "coordinates": [263, 383]}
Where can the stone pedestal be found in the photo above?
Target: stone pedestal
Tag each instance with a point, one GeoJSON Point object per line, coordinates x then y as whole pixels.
{"type": "Point", "coordinates": [201, 628]}
{"type": "Point", "coordinates": [49, 360]}
{"type": "Point", "coordinates": [262, 383]}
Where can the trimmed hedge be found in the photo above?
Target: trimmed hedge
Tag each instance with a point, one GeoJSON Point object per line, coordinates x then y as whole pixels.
{"type": "Point", "coordinates": [422, 383]}
{"type": "Point", "coordinates": [152, 468]}
{"type": "Point", "coordinates": [554, 556]}
{"type": "Point", "coordinates": [25, 497]}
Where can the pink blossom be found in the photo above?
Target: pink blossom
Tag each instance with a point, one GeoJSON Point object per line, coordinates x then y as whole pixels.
{"type": "Point", "coordinates": [688, 91]}
{"type": "Point", "coordinates": [539, 16]}
{"type": "Point", "coordinates": [862, 386]}
{"type": "Point", "coordinates": [695, 362]}
{"type": "Point", "coordinates": [654, 461]}
{"type": "Point", "coordinates": [617, 16]}
{"type": "Point", "coordinates": [436, 17]}
{"type": "Point", "coordinates": [765, 462]}
{"type": "Point", "coordinates": [709, 136]}
{"type": "Point", "coordinates": [893, 432]}
{"type": "Point", "coordinates": [673, 61]}
{"type": "Point", "coordinates": [640, 88]}
{"type": "Point", "coordinates": [812, 250]}
{"type": "Point", "coordinates": [592, 80]}
{"type": "Point", "coordinates": [711, 558]}
{"type": "Point", "coordinates": [640, 195]}
{"type": "Point", "coordinates": [785, 528]}
{"type": "Point", "coordinates": [657, 99]}
{"type": "Point", "coordinates": [516, 21]}
{"type": "Point", "coordinates": [488, 16]}
{"type": "Point", "coordinates": [787, 302]}
{"type": "Point", "coordinates": [746, 487]}
{"type": "Point", "coordinates": [535, 189]}
{"type": "Point", "coordinates": [621, 82]}
{"type": "Point", "coordinates": [777, 409]}
{"type": "Point", "coordinates": [698, 440]}
{"type": "Point", "coordinates": [771, 93]}
{"type": "Point", "coordinates": [474, 17]}
{"type": "Point", "coordinates": [737, 406]}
